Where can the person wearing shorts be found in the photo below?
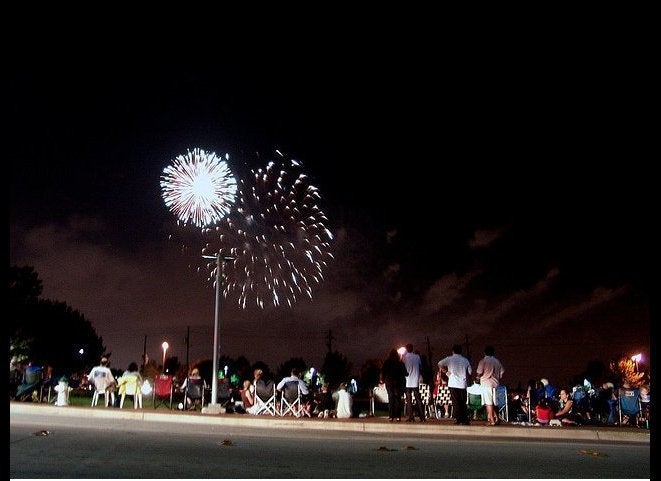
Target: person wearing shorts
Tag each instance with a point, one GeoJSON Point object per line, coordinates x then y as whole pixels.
{"type": "Point", "coordinates": [490, 371]}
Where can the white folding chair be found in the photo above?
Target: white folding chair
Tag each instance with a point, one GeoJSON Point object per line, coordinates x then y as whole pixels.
{"type": "Point", "coordinates": [290, 400]}
{"type": "Point", "coordinates": [103, 385]}
{"type": "Point", "coordinates": [425, 397]}
{"type": "Point", "coordinates": [265, 397]}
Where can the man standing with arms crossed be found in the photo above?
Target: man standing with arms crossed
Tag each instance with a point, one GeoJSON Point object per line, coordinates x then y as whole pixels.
{"type": "Point", "coordinates": [490, 370]}
{"type": "Point", "coordinates": [458, 369]}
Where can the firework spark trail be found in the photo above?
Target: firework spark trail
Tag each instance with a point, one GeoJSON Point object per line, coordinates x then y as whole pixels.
{"type": "Point", "coordinates": [277, 235]}
{"type": "Point", "coordinates": [199, 188]}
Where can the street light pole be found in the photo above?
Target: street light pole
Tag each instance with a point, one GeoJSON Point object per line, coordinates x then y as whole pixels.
{"type": "Point", "coordinates": [165, 346]}
{"type": "Point", "coordinates": [213, 407]}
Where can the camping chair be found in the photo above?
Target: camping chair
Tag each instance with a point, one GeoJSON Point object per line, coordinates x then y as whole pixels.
{"type": "Point", "coordinates": [195, 390]}
{"type": "Point", "coordinates": [163, 389]}
{"type": "Point", "coordinates": [265, 398]}
{"type": "Point", "coordinates": [581, 402]}
{"type": "Point", "coordinates": [425, 397]}
{"type": "Point", "coordinates": [103, 384]}
{"type": "Point", "coordinates": [379, 395]}
{"type": "Point", "coordinates": [224, 395]}
{"type": "Point", "coordinates": [629, 402]}
{"type": "Point", "coordinates": [130, 385]}
{"type": "Point", "coordinates": [442, 399]}
{"type": "Point", "coordinates": [290, 399]}
{"type": "Point", "coordinates": [32, 382]}
{"type": "Point", "coordinates": [501, 403]}
{"type": "Point", "coordinates": [475, 403]}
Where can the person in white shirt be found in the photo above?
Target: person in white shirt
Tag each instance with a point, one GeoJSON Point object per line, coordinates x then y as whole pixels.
{"type": "Point", "coordinates": [413, 365]}
{"type": "Point", "coordinates": [343, 402]}
{"type": "Point", "coordinates": [103, 380]}
{"type": "Point", "coordinates": [458, 369]}
{"type": "Point", "coordinates": [295, 373]}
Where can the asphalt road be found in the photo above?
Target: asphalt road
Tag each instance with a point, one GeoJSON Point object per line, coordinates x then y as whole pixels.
{"type": "Point", "coordinates": [100, 443]}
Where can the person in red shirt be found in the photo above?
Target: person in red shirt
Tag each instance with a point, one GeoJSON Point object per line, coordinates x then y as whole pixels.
{"type": "Point", "coordinates": [544, 412]}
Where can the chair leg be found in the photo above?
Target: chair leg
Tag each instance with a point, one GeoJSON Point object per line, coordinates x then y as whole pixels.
{"type": "Point", "coordinates": [95, 398]}
{"type": "Point", "coordinates": [121, 401]}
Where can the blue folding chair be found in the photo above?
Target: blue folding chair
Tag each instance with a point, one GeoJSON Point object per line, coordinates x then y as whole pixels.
{"type": "Point", "coordinates": [629, 403]}
{"type": "Point", "coordinates": [502, 406]}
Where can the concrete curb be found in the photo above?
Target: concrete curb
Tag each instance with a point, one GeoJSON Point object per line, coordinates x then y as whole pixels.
{"type": "Point", "coordinates": [363, 425]}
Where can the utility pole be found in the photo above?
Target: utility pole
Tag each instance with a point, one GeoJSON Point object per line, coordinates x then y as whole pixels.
{"type": "Point", "coordinates": [144, 354]}
{"type": "Point", "coordinates": [429, 351]}
{"type": "Point", "coordinates": [468, 351]}
{"type": "Point", "coordinates": [329, 341]}
{"type": "Point", "coordinates": [187, 347]}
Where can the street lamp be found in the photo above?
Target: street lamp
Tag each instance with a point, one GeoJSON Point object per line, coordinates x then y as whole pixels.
{"type": "Point", "coordinates": [165, 346]}
{"type": "Point", "coordinates": [213, 407]}
{"type": "Point", "coordinates": [636, 359]}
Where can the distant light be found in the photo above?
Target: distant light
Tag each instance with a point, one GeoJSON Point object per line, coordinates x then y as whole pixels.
{"type": "Point", "coordinates": [401, 351]}
{"type": "Point", "coordinates": [637, 358]}
{"type": "Point", "coordinates": [81, 351]}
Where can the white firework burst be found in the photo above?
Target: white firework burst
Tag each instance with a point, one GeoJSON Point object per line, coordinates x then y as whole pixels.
{"type": "Point", "coordinates": [276, 235]}
{"type": "Point", "coordinates": [199, 188]}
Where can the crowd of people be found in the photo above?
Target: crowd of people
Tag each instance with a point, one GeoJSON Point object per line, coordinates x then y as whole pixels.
{"type": "Point", "coordinates": [401, 376]}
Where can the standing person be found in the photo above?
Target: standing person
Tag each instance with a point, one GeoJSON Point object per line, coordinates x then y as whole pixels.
{"type": "Point", "coordinates": [413, 365]}
{"type": "Point", "coordinates": [458, 369]}
{"type": "Point", "coordinates": [490, 371]}
{"type": "Point", "coordinates": [394, 373]}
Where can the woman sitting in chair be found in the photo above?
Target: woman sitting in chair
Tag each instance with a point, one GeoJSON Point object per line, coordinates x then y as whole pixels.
{"type": "Point", "coordinates": [131, 383]}
{"type": "Point", "coordinates": [567, 414]}
{"type": "Point", "coordinates": [193, 386]}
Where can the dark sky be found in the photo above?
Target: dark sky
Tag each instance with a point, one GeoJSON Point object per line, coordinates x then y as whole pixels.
{"type": "Point", "coordinates": [499, 199]}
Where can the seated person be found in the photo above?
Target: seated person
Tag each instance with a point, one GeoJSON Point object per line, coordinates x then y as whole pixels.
{"type": "Point", "coordinates": [566, 414]}
{"type": "Point", "coordinates": [294, 377]}
{"type": "Point", "coordinates": [103, 380]}
{"type": "Point", "coordinates": [302, 387]}
{"type": "Point", "coordinates": [544, 412]}
{"type": "Point", "coordinates": [194, 391]}
{"type": "Point", "coordinates": [343, 402]}
{"type": "Point", "coordinates": [324, 402]}
{"type": "Point", "coordinates": [247, 395]}
{"type": "Point", "coordinates": [263, 391]}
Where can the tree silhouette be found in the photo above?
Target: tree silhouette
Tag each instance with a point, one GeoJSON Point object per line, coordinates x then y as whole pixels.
{"type": "Point", "coordinates": [295, 362]}
{"type": "Point", "coordinates": [48, 332]}
{"type": "Point", "coordinates": [336, 369]}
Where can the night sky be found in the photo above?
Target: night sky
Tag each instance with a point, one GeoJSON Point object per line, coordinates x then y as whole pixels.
{"type": "Point", "coordinates": [500, 200]}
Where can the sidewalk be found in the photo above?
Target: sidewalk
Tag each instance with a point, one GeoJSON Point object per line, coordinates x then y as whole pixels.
{"type": "Point", "coordinates": [373, 425]}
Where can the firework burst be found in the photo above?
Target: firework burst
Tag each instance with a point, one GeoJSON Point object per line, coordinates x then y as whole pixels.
{"type": "Point", "coordinates": [198, 188]}
{"type": "Point", "coordinates": [277, 236]}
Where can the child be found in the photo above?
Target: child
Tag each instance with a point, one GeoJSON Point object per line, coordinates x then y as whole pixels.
{"type": "Point", "coordinates": [544, 412]}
